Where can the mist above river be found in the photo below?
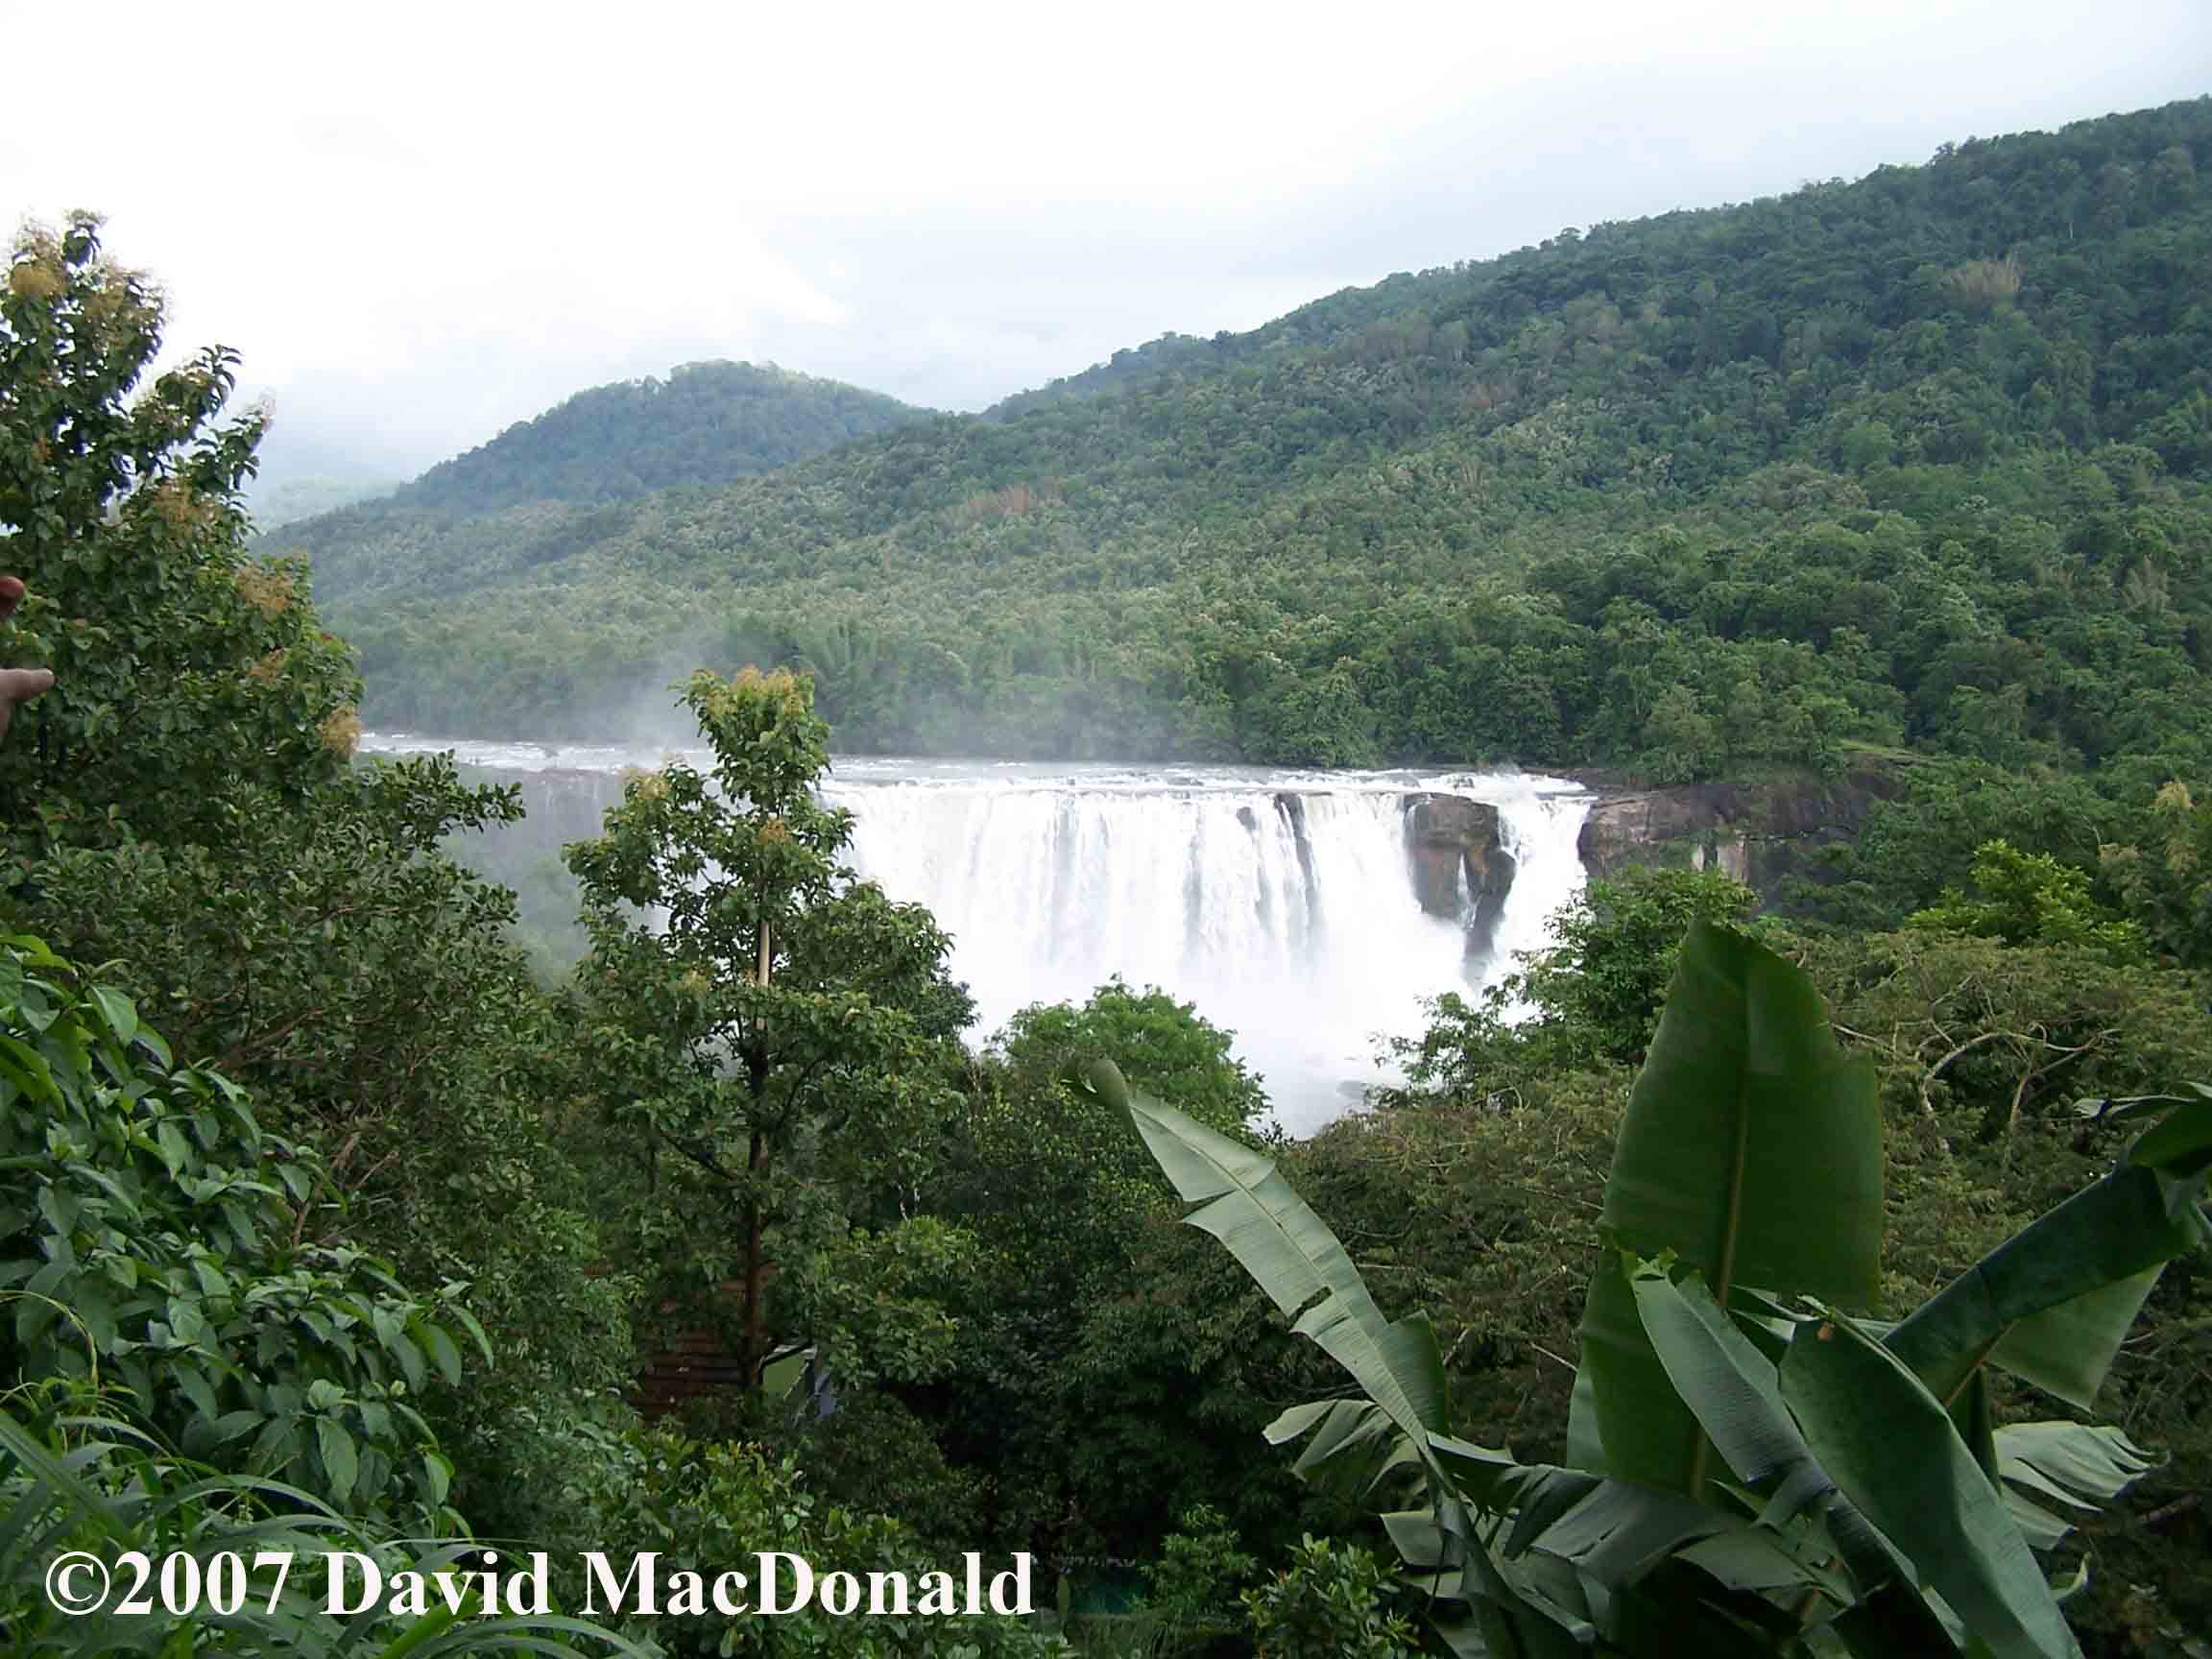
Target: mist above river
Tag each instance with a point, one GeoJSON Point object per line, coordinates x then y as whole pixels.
{"type": "Point", "coordinates": [1280, 902]}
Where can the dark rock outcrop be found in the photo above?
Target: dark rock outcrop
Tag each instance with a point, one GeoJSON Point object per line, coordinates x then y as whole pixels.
{"type": "Point", "coordinates": [1460, 867]}
{"type": "Point", "coordinates": [1760, 834]}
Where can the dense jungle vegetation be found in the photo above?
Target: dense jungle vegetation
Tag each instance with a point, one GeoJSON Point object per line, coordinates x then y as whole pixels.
{"type": "Point", "coordinates": [1913, 461]}
{"type": "Point", "coordinates": [306, 1176]}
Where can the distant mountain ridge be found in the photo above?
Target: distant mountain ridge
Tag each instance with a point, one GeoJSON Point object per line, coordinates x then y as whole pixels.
{"type": "Point", "coordinates": [1918, 461]}
{"type": "Point", "coordinates": [709, 423]}
{"type": "Point", "coordinates": [545, 484]}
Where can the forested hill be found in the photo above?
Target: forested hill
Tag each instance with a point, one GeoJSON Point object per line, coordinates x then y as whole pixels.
{"type": "Point", "coordinates": [1919, 461]}
{"type": "Point", "coordinates": [706, 423]}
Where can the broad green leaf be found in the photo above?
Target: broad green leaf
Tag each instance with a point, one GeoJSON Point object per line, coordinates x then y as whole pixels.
{"type": "Point", "coordinates": [2122, 1230]}
{"type": "Point", "coordinates": [1300, 1263]}
{"type": "Point", "coordinates": [1616, 1532]}
{"type": "Point", "coordinates": [1291, 1254]}
{"type": "Point", "coordinates": [2067, 1350]}
{"type": "Point", "coordinates": [1585, 1451]}
{"type": "Point", "coordinates": [1421, 1543]}
{"type": "Point", "coordinates": [2182, 1140]}
{"type": "Point", "coordinates": [341, 1462]}
{"type": "Point", "coordinates": [1751, 1152]}
{"type": "Point", "coordinates": [1720, 1377]}
{"type": "Point", "coordinates": [151, 1040]}
{"type": "Point", "coordinates": [437, 1477]}
{"type": "Point", "coordinates": [232, 1424]}
{"type": "Point", "coordinates": [1752, 1147]}
{"type": "Point", "coordinates": [1735, 1393]}
{"type": "Point", "coordinates": [410, 1358]}
{"type": "Point", "coordinates": [1892, 1449]}
{"type": "Point", "coordinates": [1754, 1558]}
{"type": "Point", "coordinates": [1645, 1431]}
{"type": "Point", "coordinates": [200, 1391]}
{"type": "Point", "coordinates": [117, 1011]}
{"type": "Point", "coordinates": [442, 1351]}
{"type": "Point", "coordinates": [781, 1376]}
{"type": "Point", "coordinates": [2051, 1468]}
{"type": "Point", "coordinates": [471, 1324]}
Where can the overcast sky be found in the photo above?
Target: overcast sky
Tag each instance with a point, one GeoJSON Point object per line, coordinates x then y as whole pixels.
{"type": "Point", "coordinates": [421, 223]}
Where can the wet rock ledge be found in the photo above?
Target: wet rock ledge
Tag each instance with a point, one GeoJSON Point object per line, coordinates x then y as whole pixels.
{"type": "Point", "coordinates": [1460, 868]}
{"type": "Point", "coordinates": [1760, 834]}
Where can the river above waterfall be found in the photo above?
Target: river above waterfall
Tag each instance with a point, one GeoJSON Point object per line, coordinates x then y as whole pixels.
{"type": "Point", "coordinates": [1281, 902]}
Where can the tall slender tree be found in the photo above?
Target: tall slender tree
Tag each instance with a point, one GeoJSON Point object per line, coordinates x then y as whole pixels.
{"type": "Point", "coordinates": [779, 1035]}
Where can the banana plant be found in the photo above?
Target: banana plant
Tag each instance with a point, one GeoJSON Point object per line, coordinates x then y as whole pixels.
{"type": "Point", "coordinates": [1755, 1464]}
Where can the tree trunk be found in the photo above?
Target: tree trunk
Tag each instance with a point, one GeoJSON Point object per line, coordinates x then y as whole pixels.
{"type": "Point", "coordinates": [754, 1351]}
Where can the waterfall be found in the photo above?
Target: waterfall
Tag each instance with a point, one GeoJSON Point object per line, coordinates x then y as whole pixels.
{"type": "Point", "coordinates": [1542, 833]}
{"type": "Point", "coordinates": [1279, 902]}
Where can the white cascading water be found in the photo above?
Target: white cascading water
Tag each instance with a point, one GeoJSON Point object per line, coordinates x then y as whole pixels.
{"type": "Point", "coordinates": [1279, 902]}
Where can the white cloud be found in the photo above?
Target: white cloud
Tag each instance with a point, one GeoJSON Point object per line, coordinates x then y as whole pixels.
{"type": "Point", "coordinates": [422, 222]}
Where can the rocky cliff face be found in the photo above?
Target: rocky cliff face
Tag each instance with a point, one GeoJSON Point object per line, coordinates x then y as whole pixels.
{"type": "Point", "coordinates": [1759, 833]}
{"type": "Point", "coordinates": [1460, 867]}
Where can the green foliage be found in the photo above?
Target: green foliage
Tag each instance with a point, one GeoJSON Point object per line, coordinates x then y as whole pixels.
{"type": "Point", "coordinates": [1194, 1590]}
{"type": "Point", "coordinates": [150, 1241]}
{"type": "Point", "coordinates": [1043, 1167]}
{"type": "Point", "coordinates": [1745, 1120]}
{"type": "Point", "coordinates": [875, 1302]}
{"type": "Point", "coordinates": [2030, 898]}
{"type": "Point", "coordinates": [2164, 877]}
{"type": "Point", "coordinates": [182, 807]}
{"type": "Point", "coordinates": [874, 1453]}
{"type": "Point", "coordinates": [1333, 1601]}
{"type": "Point", "coordinates": [1911, 848]}
{"type": "Point", "coordinates": [1909, 474]}
{"type": "Point", "coordinates": [706, 423]}
{"type": "Point", "coordinates": [184, 667]}
{"type": "Point", "coordinates": [359, 985]}
{"type": "Point", "coordinates": [94, 1486]}
{"type": "Point", "coordinates": [1768, 484]}
{"type": "Point", "coordinates": [1087, 1418]}
{"type": "Point", "coordinates": [1857, 1490]}
{"type": "Point", "coordinates": [710, 1502]}
{"type": "Point", "coordinates": [1600, 986]}
{"type": "Point", "coordinates": [778, 1033]}
{"type": "Point", "coordinates": [1158, 1042]}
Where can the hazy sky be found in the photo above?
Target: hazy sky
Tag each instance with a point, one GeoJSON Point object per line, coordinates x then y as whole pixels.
{"type": "Point", "coordinates": [422, 223]}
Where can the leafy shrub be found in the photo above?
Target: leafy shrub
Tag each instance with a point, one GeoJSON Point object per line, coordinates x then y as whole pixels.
{"type": "Point", "coordinates": [98, 1486]}
{"type": "Point", "coordinates": [709, 1504]}
{"type": "Point", "coordinates": [1195, 1589]}
{"type": "Point", "coordinates": [149, 1236]}
{"type": "Point", "coordinates": [1333, 1601]}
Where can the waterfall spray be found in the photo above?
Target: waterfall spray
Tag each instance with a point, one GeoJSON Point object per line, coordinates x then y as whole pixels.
{"type": "Point", "coordinates": [1280, 903]}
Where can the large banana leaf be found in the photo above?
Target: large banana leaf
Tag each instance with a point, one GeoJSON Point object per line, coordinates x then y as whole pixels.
{"type": "Point", "coordinates": [1736, 1392]}
{"type": "Point", "coordinates": [1891, 1448]}
{"type": "Point", "coordinates": [1752, 1147]}
{"type": "Point", "coordinates": [2051, 1468]}
{"type": "Point", "coordinates": [2053, 1303]}
{"type": "Point", "coordinates": [1292, 1256]}
{"type": "Point", "coordinates": [1752, 1152]}
{"type": "Point", "coordinates": [1538, 1608]}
